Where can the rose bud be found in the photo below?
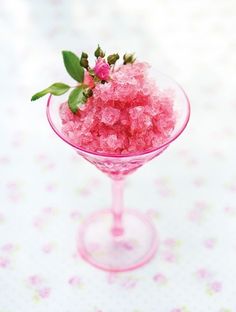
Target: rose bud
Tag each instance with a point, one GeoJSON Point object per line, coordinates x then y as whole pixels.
{"type": "Point", "coordinates": [88, 92]}
{"type": "Point", "coordinates": [84, 63]}
{"type": "Point", "coordinates": [111, 59]}
{"type": "Point", "coordinates": [84, 55]}
{"type": "Point", "coordinates": [129, 58]}
{"type": "Point", "coordinates": [99, 53]}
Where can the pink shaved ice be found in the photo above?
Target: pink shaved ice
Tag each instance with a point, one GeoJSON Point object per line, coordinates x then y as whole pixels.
{"type": "Point", "coordinates": [128, 114]}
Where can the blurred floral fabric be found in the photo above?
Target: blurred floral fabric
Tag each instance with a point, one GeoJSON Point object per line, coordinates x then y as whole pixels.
{"type": "Point", "coordinates": [46, 190]}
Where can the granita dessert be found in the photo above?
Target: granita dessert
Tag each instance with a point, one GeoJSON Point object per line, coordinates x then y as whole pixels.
{"type": "Point", "coordinates": [113, 109]}
{"type": "Point", "coordinates": [117, 116]}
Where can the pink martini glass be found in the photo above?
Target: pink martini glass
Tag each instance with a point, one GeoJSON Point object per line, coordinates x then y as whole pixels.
{"type": "Point", "coordinates": [117, 239]}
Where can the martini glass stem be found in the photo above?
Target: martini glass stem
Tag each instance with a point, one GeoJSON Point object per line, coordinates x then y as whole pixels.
{"type": "Point", "coordinates": [117, 206]}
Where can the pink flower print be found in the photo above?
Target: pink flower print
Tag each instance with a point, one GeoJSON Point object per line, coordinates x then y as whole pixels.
{"type": "Point", "coordinates": [169, 256]}
{"type": "Point", "coordinates": [49, 211]}
{"type": "Point", "coordinates": [45, 162]}
{"type": "Point", "coordinates": [231, 186]}
{"type": "Point", "coordinates": [95, 182]}
{"type": "Point", "coordinates": [85, 191]}
{"type": "Point", "coordinates": [35, 280]}
{"type": "Point", "coordinates": [169, 252]}
{"type": "Point", "coordinates": [170, 242]}
{"type": "Point", "coordinates": [210, 243]}
{"type": "Point", "coordinates": [129, 282]}
{"type": "Point", "coordinates": [6, 253]}
{"type": "Point", "coordinates": [230, 210]}
{"type": "Point", "coordinates": [102, 69]}
{"type": "Point", "coordinates": [4, 160]}
{"type": "Point", "coordinates": [203, 273]}
{"type": "Point", "coordinates": [14, 191]}
{"type": "Point", "coordinates": [160, 279]}
{"type": "Point", "coordinates": [212, 286]}
{"type": "Point", "coordinates": [48, 248]}
{"type": "Point", "coordinates": [198, 182]}
{"type": "Point", "coordinates": [13, 186]}
{"type": "Point", "coordinates": [183, 309]}
{"type": "Point", "coordinates": [50, 187]}
{"type": "Point", "coordinates": [38, 222]}
{"type": "Point", "coordinates": [75, 215]}
{"type": "Point", "coordinates": [15, 197]}
{"type": "Point", "coordinates": [197, 214]}
{"type": "Point", "coordinates": [4, 262]}
{"type": "Point", "coordinates": [44, 292]}
{"type": "Point", "coordinates": [164, 187]}
{"type": "Point", "coordinates": [45, 215]}
{"type": "Point", "coordinates": [8, 248]}
{"type": "Point", "coordinates": [124, 281]}
{"type": "Point", "coordinates": [18, 139]}
{"type": "Point", "coordinates": [75, 281]}
{"type": "Point", "coordinates": [218, 154]}
{"type": "Point", "coordinates": [37, 284]}
{"type": "Point", "coordinates": [152, 213]}
{"type": "Point", "coordinates": [76, 256]}
{"type": "Point", "coordinates": [128, 245]}
{"type": "Point", "coordinates": [41, 157]}
{"type": "Point", "coordinates": [215, 286]}
{"type": "Point", "coordinates": [111, 277]}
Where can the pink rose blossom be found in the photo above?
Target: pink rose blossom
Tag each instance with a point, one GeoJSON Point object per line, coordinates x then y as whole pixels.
{"type": "Point", "coordinates": [102, 69]}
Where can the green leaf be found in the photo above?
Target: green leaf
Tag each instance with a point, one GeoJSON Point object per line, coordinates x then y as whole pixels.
{"type": "Point", "coordinates": [57, 88]}
{"type": "Point", "coordinates": [76, 99]}
{"type": "Point", "coordinates": [39, 94]}
{"type": "Point", "coordinates": [72, 65]}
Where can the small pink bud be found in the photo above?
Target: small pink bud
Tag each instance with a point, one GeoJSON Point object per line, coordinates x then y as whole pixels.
{"type": "Point", "coordinates": [102, 69]}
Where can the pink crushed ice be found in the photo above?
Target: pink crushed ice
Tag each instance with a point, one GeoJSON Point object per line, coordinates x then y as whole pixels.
{"type": "Point", "coordinates": [128, 114]}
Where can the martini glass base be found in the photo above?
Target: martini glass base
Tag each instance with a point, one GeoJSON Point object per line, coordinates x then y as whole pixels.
{"type": "Point", "coordinates": [117, 251]}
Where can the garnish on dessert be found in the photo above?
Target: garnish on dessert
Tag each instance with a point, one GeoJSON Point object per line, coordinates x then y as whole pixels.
{"type": "Point", "coordinates": [114, 109]}
{"type": "Point", "coordinates": [86, 77]}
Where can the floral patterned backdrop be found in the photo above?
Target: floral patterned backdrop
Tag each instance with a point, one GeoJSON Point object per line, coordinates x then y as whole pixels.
{"type": "Point", "coordinates": [46, 189]}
